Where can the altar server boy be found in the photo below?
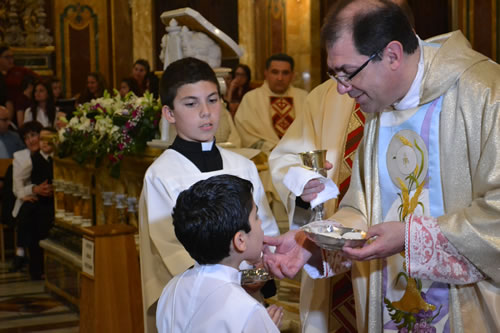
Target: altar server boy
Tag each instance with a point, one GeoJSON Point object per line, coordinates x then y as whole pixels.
{"type": "Point", "coordinates": [217, 222]}
{"type": "Point", "coordinates": [191, 100]}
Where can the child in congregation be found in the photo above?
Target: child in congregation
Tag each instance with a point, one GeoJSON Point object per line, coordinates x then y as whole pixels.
{"type": "Point", "coordinates": [217, 222]}
{"type": "Point", "coordinates": [191, 100]}
{"type": "Point", "coordinates": [36, 216]}
{"type": "Point", "coordinates": [56, 85]}
{"type": "Point", "coordinates": [127, 85]}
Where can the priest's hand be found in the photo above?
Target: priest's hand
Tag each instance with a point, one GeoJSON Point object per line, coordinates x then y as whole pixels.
{"type": "Point", "coordinates": [293, 250]}
{"type": "Point", "coordinates": [313, 187]}
{"type": "Point", "coordinates": [389, 240]}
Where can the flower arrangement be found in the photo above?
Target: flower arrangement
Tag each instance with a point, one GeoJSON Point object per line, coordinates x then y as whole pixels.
{"type": "Point", "coordinates": [110, 128]}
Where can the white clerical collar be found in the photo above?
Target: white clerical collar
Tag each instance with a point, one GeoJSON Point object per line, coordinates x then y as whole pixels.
{"type": "Point", "coordinates": [412, 97]}
{"type": "Point", "coordinates": [46, 156]}
{"type": "Point", "coordinates": [207, 146]}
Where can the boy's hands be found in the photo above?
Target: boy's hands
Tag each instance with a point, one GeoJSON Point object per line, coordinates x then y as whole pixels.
{"type": "Point", "coordinates": [44, 189]}
{"type": "Point", "coordinates": [30, 198]}
{"type": "Point", "coordinates": [276, 314]}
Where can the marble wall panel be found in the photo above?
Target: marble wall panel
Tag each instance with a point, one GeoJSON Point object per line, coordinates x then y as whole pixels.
{"type": "Point", "coordinates": [92, 35]}
{"type": "Point", "coordinates": [72, 20]}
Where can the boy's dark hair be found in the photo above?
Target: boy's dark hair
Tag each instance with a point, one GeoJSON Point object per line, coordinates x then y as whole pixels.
{"type": "Point", "coordinates": [280, 57]}
{"type": "Point", "coordinates": [181, 72]}
{"type": "Point", "coordinates": [208, 215]}
{"type": "Point", "coordinates": [30, 126]}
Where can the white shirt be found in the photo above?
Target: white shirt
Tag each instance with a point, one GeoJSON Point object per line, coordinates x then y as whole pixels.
{"type": "Point", "coordinates": [209, 298]}
{"type": "Point", "coordinates": [41, 117]}
{"type": "Point", "coordinates": [21, 177]}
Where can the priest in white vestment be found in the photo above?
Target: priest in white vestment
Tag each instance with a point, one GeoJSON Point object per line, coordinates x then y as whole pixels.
{"type": "Point", "coordinates": [425, 181]}
{"type": "Point", "coordinates": [265, 113]}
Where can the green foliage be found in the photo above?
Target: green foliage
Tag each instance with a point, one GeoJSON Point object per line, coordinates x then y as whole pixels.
{"type": "Point", "coordinates": [110, 128]}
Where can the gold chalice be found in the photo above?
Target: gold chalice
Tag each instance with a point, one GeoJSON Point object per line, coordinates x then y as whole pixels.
{"type": "Point", "coordinates": [315, 160]}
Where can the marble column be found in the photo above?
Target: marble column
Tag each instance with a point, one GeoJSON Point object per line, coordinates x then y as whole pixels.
{"type": "Point", "coordinates": [142, 30]}
{"type": "Point", "coordinates": [246, 32]}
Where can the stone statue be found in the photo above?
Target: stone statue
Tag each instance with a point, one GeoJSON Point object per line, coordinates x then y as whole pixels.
{"type": "Point", "coordinates": [181, 43]}
{"type": "Point", "coordinates": [13, 33]}
{"type": "Point", "coordinates": [171, 49]}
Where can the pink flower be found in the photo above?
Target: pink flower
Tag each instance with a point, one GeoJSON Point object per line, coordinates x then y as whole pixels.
{"type": "Point", "coordinates": [112, 158]}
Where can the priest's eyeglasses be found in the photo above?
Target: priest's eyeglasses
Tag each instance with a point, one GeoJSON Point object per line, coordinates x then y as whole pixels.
{"type": "Point", "coordinates": [345, 80]}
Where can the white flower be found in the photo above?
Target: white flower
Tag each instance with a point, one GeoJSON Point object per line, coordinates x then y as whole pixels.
{"type": "Point", "coordinates": [103, 126]}
{"type": "Point", "coordinates": [61, 135]}
{"type": "Point", "coordinates": [74, 122]}
{"type": "Point", "coordinates": [85, 125]}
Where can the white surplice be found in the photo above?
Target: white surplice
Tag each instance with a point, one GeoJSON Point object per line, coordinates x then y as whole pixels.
{"type": "Point", "coordinates": [209, 298]}
{"type": "Point", "coordinates": [162, 256]}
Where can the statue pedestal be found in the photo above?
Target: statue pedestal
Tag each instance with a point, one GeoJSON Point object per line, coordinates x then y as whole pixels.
{"type": "Point", "coordinates": [38, 59]}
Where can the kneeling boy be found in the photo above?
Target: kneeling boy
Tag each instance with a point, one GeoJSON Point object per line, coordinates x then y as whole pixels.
{"type": "Point", "coordinates": [216, 221]}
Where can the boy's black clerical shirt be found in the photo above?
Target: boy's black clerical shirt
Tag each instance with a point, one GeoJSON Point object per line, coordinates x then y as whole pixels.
{"type": "Point", "coordinates": [205, 155]}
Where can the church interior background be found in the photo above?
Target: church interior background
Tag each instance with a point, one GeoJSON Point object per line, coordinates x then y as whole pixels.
{"type": "Point", "coordinates": [108, 36]}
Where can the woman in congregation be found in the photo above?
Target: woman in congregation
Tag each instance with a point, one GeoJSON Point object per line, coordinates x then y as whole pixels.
{"type": "Point", "coordinates": [238, 87]}
{"type": "Point", "coordinates": [42, 107]}
{"type": "Point", "coordinates": [96, 84]}
{"type": "Point", "coordinates": [146, 80]}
